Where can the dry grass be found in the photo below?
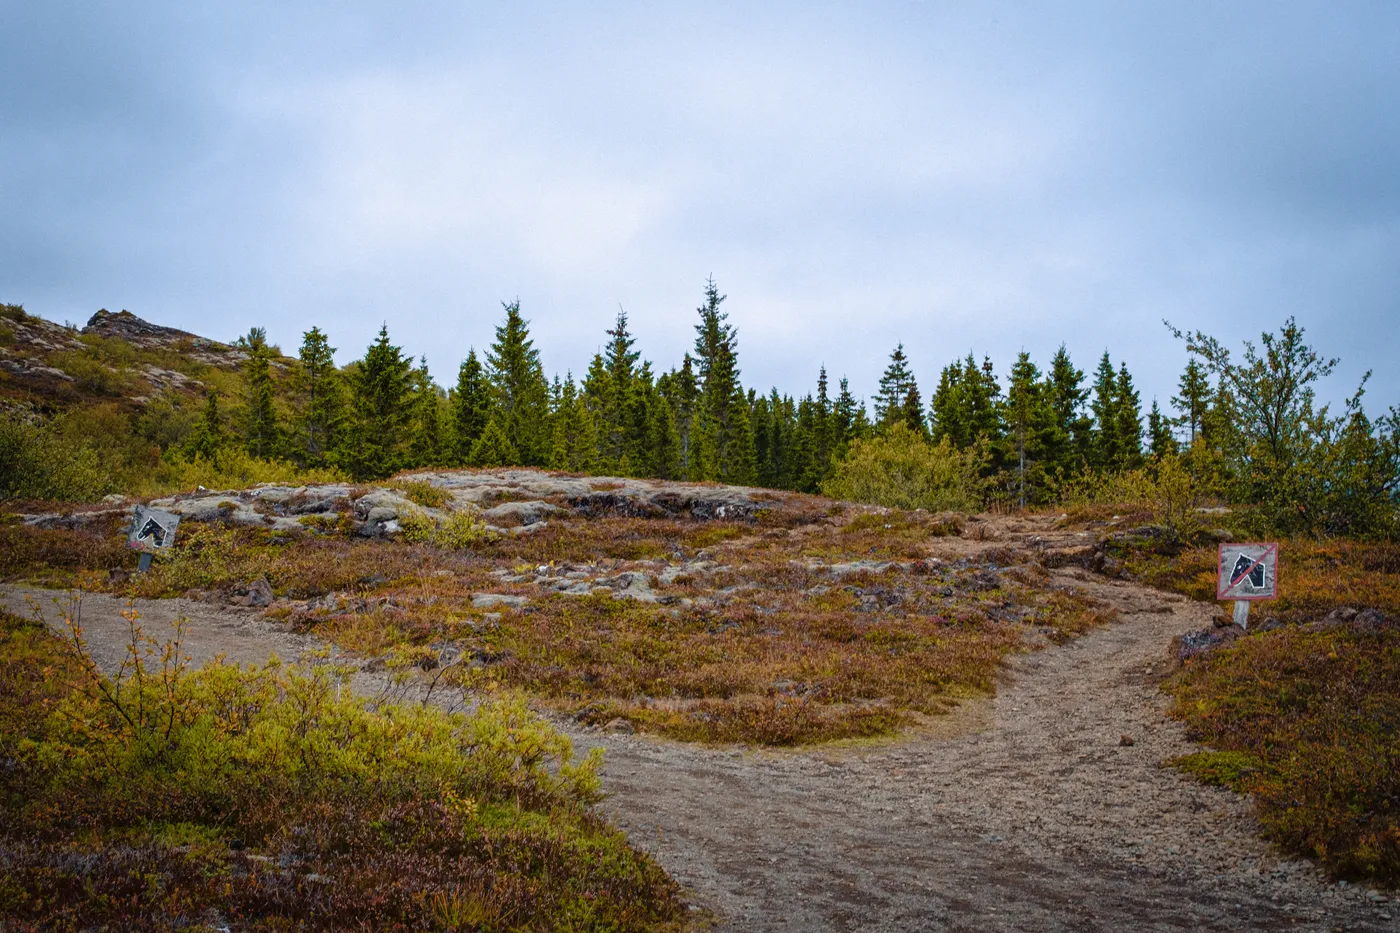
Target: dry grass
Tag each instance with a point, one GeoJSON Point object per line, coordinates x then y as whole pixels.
{"type": "Point", "coordinates": [753, 639]}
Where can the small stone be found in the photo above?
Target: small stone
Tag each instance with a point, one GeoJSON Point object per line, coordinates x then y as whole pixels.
{"type": "Point", "coordinates": [1126, 740]}
{"type": "Point", "coordinates": [620, 726]}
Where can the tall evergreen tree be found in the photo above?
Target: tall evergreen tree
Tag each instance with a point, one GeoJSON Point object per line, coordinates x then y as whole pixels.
{"type": "Point", "coordinates": [207, 437]}
{"type": "Point", "coordinates": [519, 391]}
{"type": "Point", "coordinates": [723, 446]}
{"type": "Point", "coordinates": [575, 446]}
{"type": "Point", "coordinates": [1108, 444]}
{"type": "Point", "coordinates": [1159, 433]}
{"type": "Point", "coordinates": [967, 406]}
{"type": "Point", "coordinates": [891, 403]}
{"type": "Point", "coordinates": [1032, 428]}
{"type": "Point", "coordinates": [379, 392]}
{"type": "Point", "coordinates": [425, 427]}
{"type": "Point", "coordinates": [1128, 410]}
{"type": "Point", "coordinates": [323, 416]}
{"type": "Point", "coordinates": [1073, 443]}
{"type": "Point", "coordinates": [682, 393]}
{"type": "Point", "coordinates": [471, 407]}
{"type": "Point", "coordinates": [1194, 400]}
{"type": "Point", "coordinates": [493, 448]}
{"type": "Point", "coordinates": [262, 434]}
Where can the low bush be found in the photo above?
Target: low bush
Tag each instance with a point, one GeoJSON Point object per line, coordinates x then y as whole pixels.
{"type": "Point", "coordinates": [272, 798]}
{"type": "Point", "coordinates": [229, 468]}
{"type": "Point", "coordinates": [421, 492]}
{"type": "Point", "coordinates": [899, 469]}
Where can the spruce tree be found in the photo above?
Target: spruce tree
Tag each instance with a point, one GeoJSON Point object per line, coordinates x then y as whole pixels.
{"type": "Point", "coordinates": [723, 447]}
{"type": "Point", "coordinates": [1159, 433]}
{"type": "Point", "coordinates": [379, 395]}
{"type": "Point", "coordinates": [682, 393]}
{"type": "Point", "coordinates": [1194, 400]}
{"type": "Point", "coordinates": [663, 439]}
{"type": "Point", "coordinates": [207, 437]}
{"type": "Point", "coordinates": [1128, 409]}
{"type": "Point", "coordinates": [1073, 443]}
{"type": "Point", "coordinates": [1108, 446]}
{"type": "Point", "coordinates": [471, 407]}
{"type": "Point", "coordinates": [493, 448]}
{"type": "Point", "coordinates": [520, 394]}
{"type": "Point", "coordinates": [1032, 429]}
{"type": "Point", "coordinates": [425, 428]}
{"type": "Point", "coordinates": [262, 432]}
{"type": "Point", "coordinates": [891, 403]}
{"type": "Point", "coordinates": [320, 383]}
{"type": "Point", "coordinates": [575, 444]}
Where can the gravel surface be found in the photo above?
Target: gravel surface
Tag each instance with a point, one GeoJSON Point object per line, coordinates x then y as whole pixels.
{"type": "Point", "coordinates": [1030, 811]}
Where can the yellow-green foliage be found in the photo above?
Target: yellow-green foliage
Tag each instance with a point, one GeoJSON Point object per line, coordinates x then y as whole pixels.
{"type": "Point", "coordinates": [901, 470]}
{"type": "Point", "coordinates": [1309, 723]}
{"type": "Point", "coordinates": [39, 462]}
{"type": "Point", "coordinates": [1165, 491]}
{"type": "Point", "coordinates": [397, 816]}
{"type": "Point", "coordinates": [230, 468]}
{"type": "Point", "coordinates": [458, 531]}
{"type": "Point", "coordinates": [421, 492]}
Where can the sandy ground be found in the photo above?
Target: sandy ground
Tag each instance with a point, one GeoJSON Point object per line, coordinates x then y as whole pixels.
{"type": "Point", "coordinates": [1023, 813]}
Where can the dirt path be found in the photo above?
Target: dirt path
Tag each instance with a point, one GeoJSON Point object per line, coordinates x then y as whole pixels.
{"type": "Point", "coordinates": [1025, 813]}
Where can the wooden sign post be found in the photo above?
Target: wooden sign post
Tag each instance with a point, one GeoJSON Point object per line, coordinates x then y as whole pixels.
{"type": "Point", "coordinates": [1247, 572]}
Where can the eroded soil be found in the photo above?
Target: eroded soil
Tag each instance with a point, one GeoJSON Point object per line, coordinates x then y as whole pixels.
{"type": "Point", "coordinates": [1046, 808]}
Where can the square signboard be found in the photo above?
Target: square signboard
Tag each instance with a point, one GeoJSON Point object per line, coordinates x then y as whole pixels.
{"type": "Point", "coordinates": [152, 530]}
{"type": "Point", "coordinates": [1247, 571]}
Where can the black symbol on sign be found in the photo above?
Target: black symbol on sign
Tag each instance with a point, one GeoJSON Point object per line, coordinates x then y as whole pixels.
{"type": "Point", "coordinates": [154, 530]}
{"type": "Point", "coordinates": [1248, 570]}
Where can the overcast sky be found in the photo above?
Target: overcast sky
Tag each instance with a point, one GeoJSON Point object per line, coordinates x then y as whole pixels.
{"type": "Point", "coordinates": [960, 177]}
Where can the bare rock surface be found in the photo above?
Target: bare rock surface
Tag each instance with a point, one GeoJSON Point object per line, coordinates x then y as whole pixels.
{"type": "Point", "coordinates": [1045, 808]}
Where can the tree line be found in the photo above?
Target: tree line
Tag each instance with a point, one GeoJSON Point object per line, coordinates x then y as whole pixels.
{"type": "Point", "coordinates": [1247, 431]}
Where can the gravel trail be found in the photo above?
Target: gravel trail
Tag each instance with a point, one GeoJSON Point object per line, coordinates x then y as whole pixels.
{"type": "Point", "coordinates": [1026, 812]}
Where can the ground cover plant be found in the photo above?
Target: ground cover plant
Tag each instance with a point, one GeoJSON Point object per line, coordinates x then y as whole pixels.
{"type": "Point", "coordinates": [809, 622]}
{"type": "Point", "coordinates": [271, 798]}
{"type": "Point", "coordinates": [1303, 710]}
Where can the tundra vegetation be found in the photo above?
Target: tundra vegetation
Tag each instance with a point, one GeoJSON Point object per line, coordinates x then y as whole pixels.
{"type": "Point", "coordinates": [783, 648]}
{"type": "Point", "coordinates": [272, 798]}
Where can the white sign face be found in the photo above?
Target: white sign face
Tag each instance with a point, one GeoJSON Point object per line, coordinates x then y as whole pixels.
{"type": "Point", "coordinates": [1247, 571]}
{"type": "Point", "coordinates": [152, 530]}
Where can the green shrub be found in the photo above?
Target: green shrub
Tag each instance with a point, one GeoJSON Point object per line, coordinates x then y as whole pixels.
{"type": "Point", "coordinates": [36, 462]}
{"type": "Point", "coordinates": [229, 468]}
{"type": "Point", "coordinates": [13, 312]}
{"type": "Point", "coordinates": [458, 531]}
{"type": "Point", "coordinates": [421, 492]}
{"type": "Point", "coordinates": [901, 470]}
{"type": "Point", "coordinates": [273, 796]}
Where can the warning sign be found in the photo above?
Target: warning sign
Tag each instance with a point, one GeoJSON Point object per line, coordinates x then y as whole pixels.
{"type": "Point", "coordinates": [152, 530]}
{"type": "Point", "coordinates": [1247, 571]}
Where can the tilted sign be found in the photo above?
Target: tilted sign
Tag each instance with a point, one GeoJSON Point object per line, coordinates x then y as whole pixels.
{"type": "Point", "coordinates": [1247, 571]}
{"type": "Point", "coordinates": [152, 530]}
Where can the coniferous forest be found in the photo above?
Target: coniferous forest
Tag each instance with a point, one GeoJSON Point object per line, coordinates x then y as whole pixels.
{"type": "Point", "coordinates": [1242, 428]}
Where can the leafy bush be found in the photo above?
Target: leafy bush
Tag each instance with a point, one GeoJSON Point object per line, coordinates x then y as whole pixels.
{"type": "Point", "coordinates": [421, 492]}
{"type": "Point", "coordinates": [458, 531]}
{"type": "Point", "coordinates": [37, 462]}
{"type": "Point", "coordinates": [901, 470]}
{"type": "Point", "coordinates": [13, 312]}
{"type": "Point", "coordinates": [229, 468]}
{"type": "Point", "coordinates": [273, 798]}
{"type": "Point", "coordinates": [1166, 491]}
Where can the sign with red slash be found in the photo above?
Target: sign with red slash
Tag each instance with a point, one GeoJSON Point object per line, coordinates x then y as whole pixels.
{"type": "Point", "coordinates": [1247, 572]}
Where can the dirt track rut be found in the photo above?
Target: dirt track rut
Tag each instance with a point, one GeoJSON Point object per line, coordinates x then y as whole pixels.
{"type": "Point", "coordinates": [1025, 812]}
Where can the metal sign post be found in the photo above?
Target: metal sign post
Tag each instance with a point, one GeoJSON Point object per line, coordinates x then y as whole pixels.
{"type": "Point", "coordinates": [151, 530]}
{"type": "Point", "coordinates": [1247, 572]}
